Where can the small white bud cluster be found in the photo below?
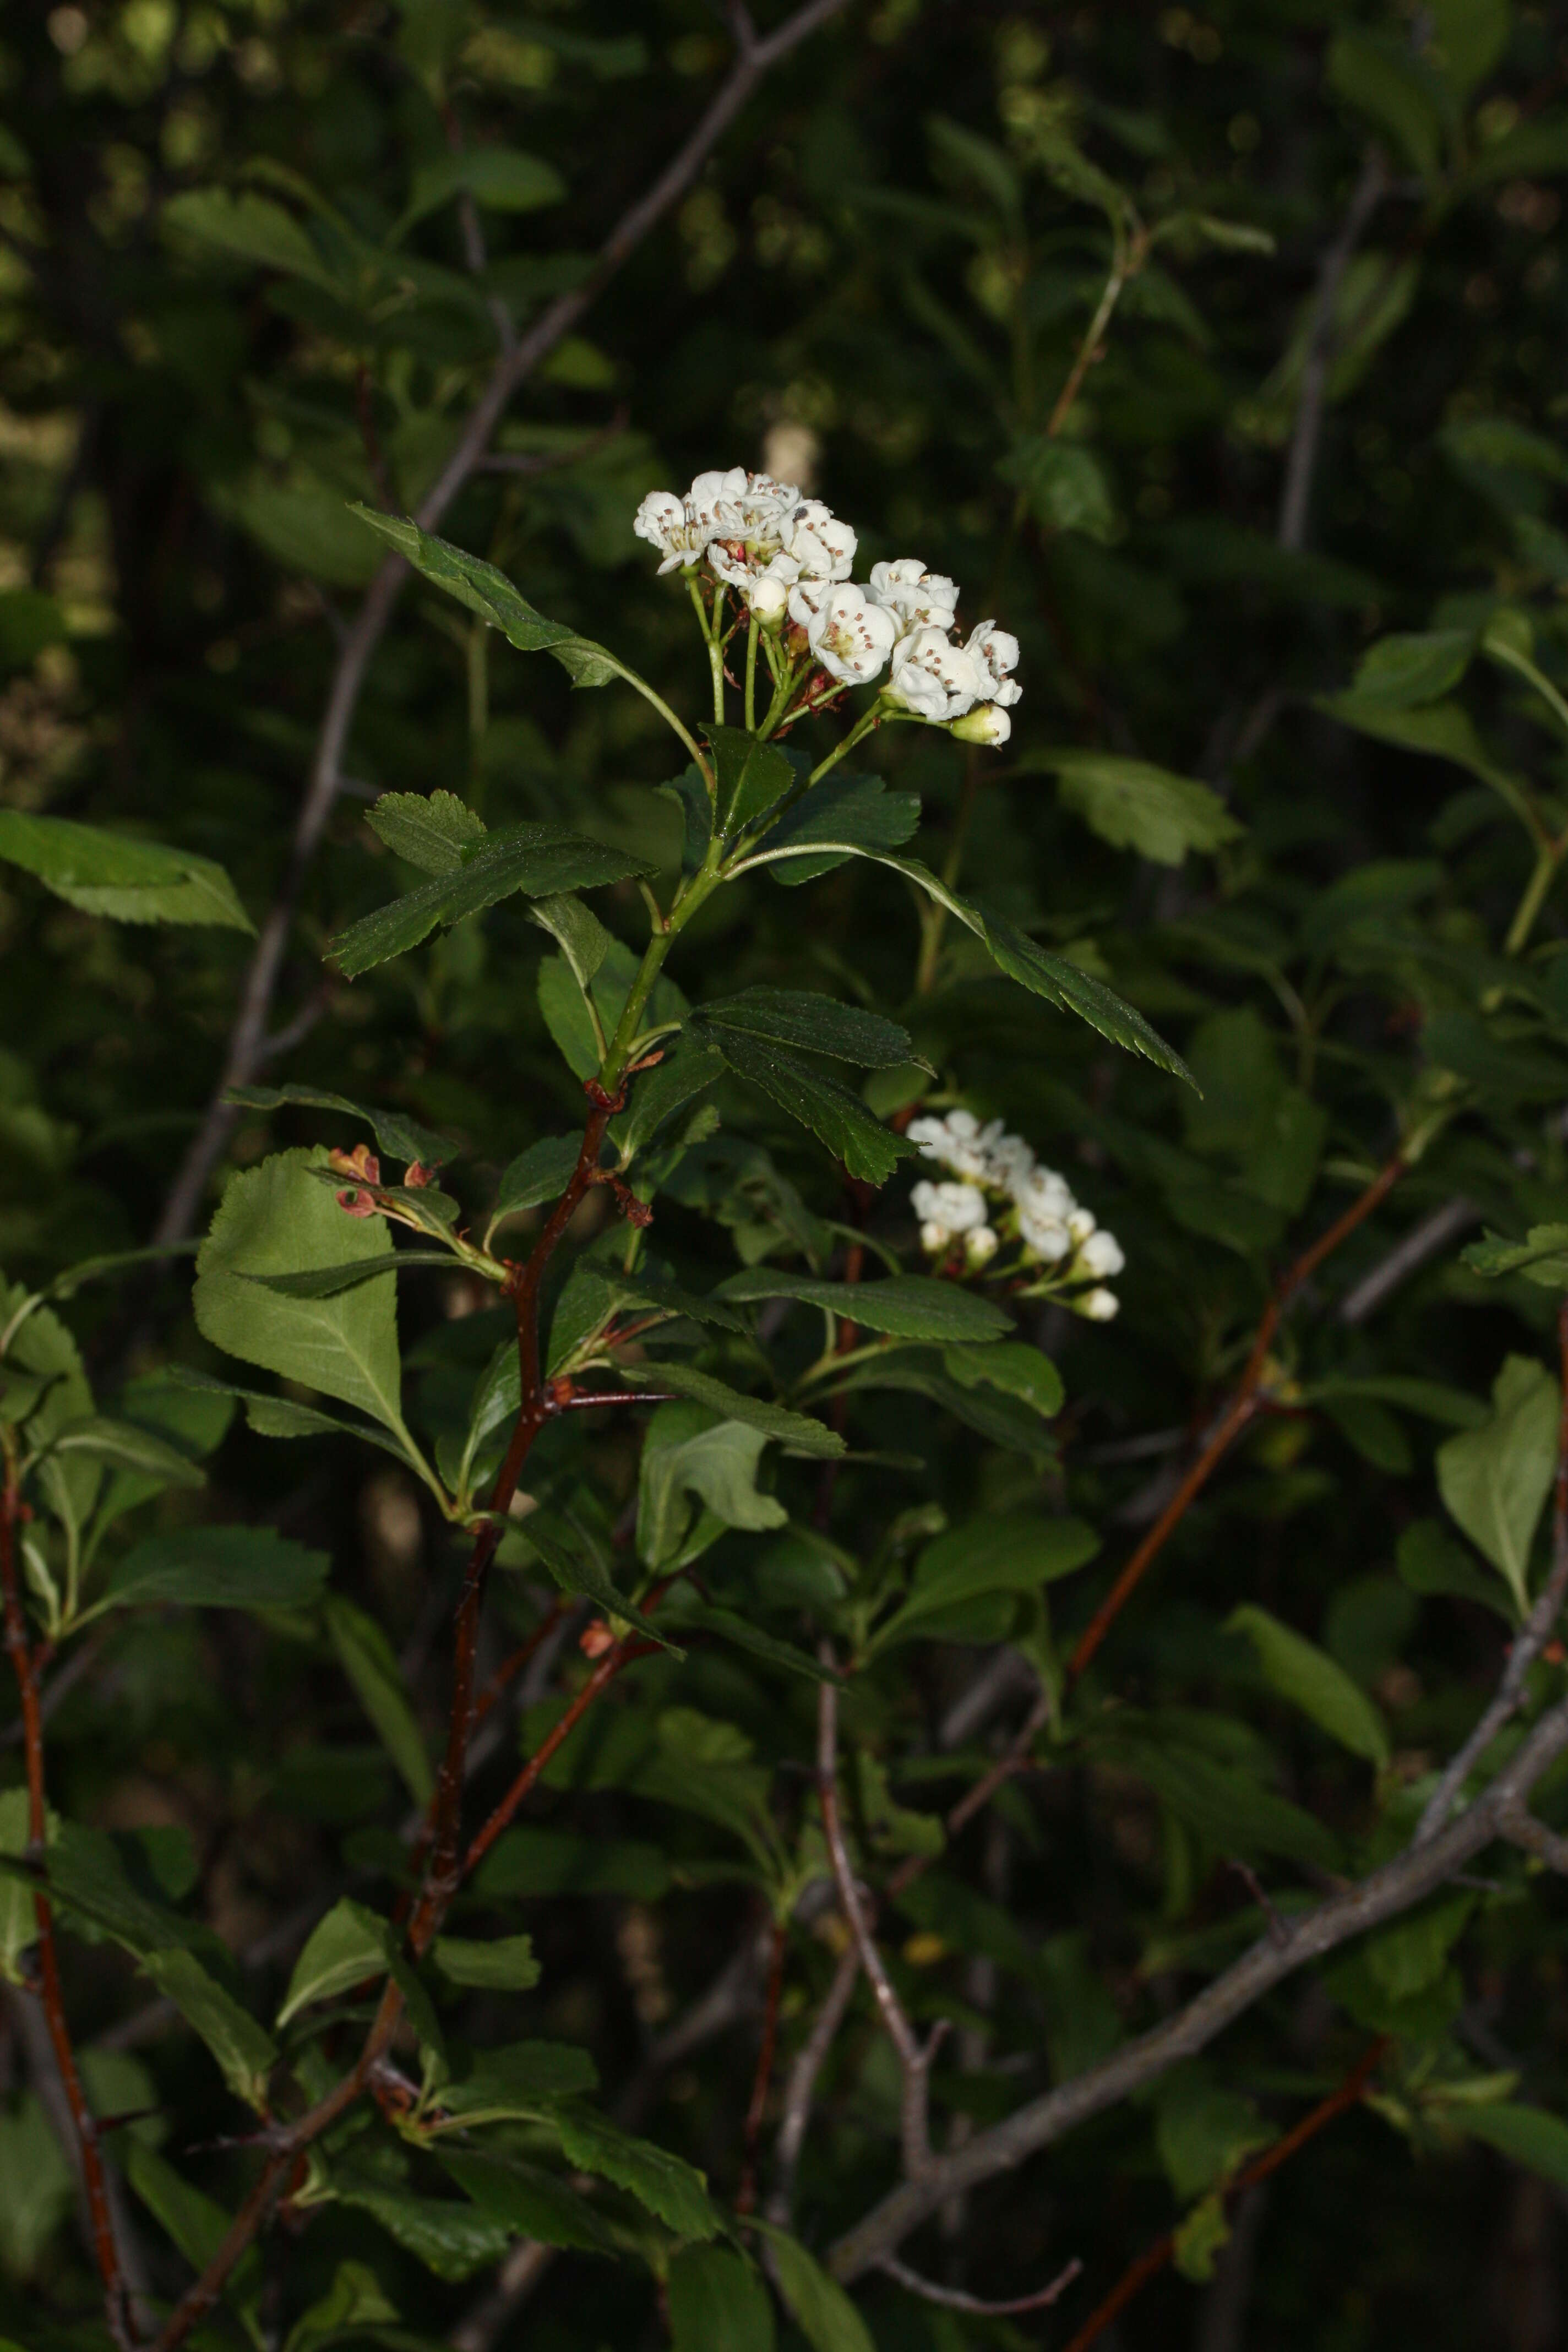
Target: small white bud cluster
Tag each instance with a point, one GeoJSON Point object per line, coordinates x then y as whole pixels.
{"type": "Point", "coordinates": [1003, 1193]}
{"type": "Point", "coordinates": [790, 556]}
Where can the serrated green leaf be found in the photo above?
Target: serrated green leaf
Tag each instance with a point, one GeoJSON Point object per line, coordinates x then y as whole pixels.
{"type": "Point", "coordinates": [796, 1430]}
{"type": "Point", "coordinates": [244, 2051]}
{"type": "Point", "coordinates": [276, 1219]}
{"type": "Point", "coordinates": [539, 1174]}
{"type": "Point", "coordinates": [1012, 1366]}
{"type": "Point", "coordinates": [505, 1964]}
{"type": "Point", "coordinates": [116, 875]}
{"type": "Point", "coordinates": [812, 1024]}
{"type": "Point", "coordinates": [1063, 984]}
{"type": "Point", "coordinates": [329, 1281]}
{"type": "Point", "coordinates": [857, 812]}
{"type": "Point", "coordinates": [1308, 1678]}
{"type": "Point", "coordinates": [1541, 1256]}
{"type": "Point", "coordinates": [1133, 805]}
{"type": "Point", "coordinates": [216, 1568]}
{"type": "Point", "coordinates": [531, 2202]}
{"type": "Point", "coordinates": [750, 775]}
{"type": "Point", "coordinates": [452, 2239]}
{"type": "Point", "coordinates": [868, 1150]}
{"type": "Point", "coordinates": [540, 860]}
{"type": "Point", "coordinates": [905, 1306]}
{"type": "Point", "coordinates": [670, 2189]}
{"type": "Point", "coordinates": [585, 942]}
{"type": "Point", "coordinates": [430, 830]}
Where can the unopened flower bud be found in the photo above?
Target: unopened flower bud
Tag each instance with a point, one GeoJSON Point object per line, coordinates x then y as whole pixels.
{"type": "Point", "coordinates": [1100, 1305]}
{"type": "Point", "coordinates": [769, 600]}
{"type": "Point", "coordinates": [1100, 1255]}
{"type": "Point", "coordinates": [980, 1246]}
{"type": "Point", "coordinates": [987, 723]}
{"type": "Point", "coordinates": [935, 1238]}
{"type": "Point", "coordinates": [1080, 1224]}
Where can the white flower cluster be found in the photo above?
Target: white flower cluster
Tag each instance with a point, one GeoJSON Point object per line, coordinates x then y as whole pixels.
{"type": "Point", "coordinates": [1002, 1194]}
{"type": "Point", "coordinates": [790, 557]}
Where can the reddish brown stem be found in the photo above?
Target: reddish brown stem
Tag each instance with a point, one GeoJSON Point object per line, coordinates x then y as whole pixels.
{"type": "Point", "coordinates": [1154, 2258]}
{"type": "Point", "coordinates": [603, 1675]}
{"type": "Point", "coordinates": [1235, 1416]}
{"type": "Point", "coordinates": [106, 2252]}
{"type": "Point", "coordinates": [762, 2081]}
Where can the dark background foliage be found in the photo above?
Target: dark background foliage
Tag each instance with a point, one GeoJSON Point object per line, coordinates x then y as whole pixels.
{"type": "Point", "coordinates": [875, 279]}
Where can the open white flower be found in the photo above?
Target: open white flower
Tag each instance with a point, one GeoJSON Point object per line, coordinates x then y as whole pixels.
{"type": "Point", "coordinates": [822, 545]}
{"type": "Point", "coordinates": [954, 1142]}
{"type": "Point", "coordinates": [996, 655]}
{"type": "Point", "coordinates": [668, 523]}
{"type": "Point", "coordinates": [850, 638]}
{"type": "Point", "coordinates": [917, 598]}
{"type": "Point", "coordinates": [717, 500]}
{"type": "Point", "coordinates": [1045, 1236]}
{"type": "Point", "coordinates": [931, 676]}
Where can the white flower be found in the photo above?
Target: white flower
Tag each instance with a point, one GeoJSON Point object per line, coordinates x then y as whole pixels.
{"type": "Point", "coordinates": [822, 545]}
{"type": "Point", "coordinates": [935, 1238]}
{"type": "Point", "coordinates": [980, 1246]}
{"type": "Point", "coordinates": [916, 598]}
{"type": "Point", "coordinates": [717, 500]}
{"type": "Point", "coordinates": [1102, 1254]}
{"type": "Point", "coordinates": [953, 1208]}
{"type": "Point", "coordinates": [931, 676]}
{"type": "Point", "coordinates": [666, 523]}
{"type": "Point", "coordinates": [986, 723]}
{"type": "Point", "coordinates": [768, 600]}
{"type": "Point", "coordinates": [1044, 1193]}
{"type": "Point", "coordinates": [1009, 1158]}
{"type": "Point", "coordinates": [1046, 1237]}
{"type": "Point", "coordinates": [1080, 1224]}
{"type": "Point", "coordinates": [994, 655]}
{"type": "Point", "coordinates": [850, 638]}
{"type": "Point", "coordinates": [954, 1141]}
{"type": "Point", "coordinates": [1100, 1305]}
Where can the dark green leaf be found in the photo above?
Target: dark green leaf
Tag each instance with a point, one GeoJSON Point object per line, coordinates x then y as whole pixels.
{"type": "Point", "coordinates": [820, 2308]}
{"type": "Point", "coordinates": [531, 2202]}
{"type": "Point", "coordinates": [1399, 672]}
{"type": "Point", "coordinates": [1012, 1552]}
{"type": "Point", "coordinates": [1012, 1366]}
{"type": "Point", "coordinates": [218, 1567]}
{"type": "Point", "coordinates": [1063, 984]}
{"type": "Point", "coordinates": [813, 1023]}
{"type": "Point", "coordinates": [399, 1138]}
{"type": "Point", "coordinates": [114, 874]}
{"type": "Point", "coordinates": [244, 2051]}
{"type": "Point", "coordinates": [1308, 1678]}
{"type": "Point", "coordinates": [1541, 1257]}
{"type": "Point", "coordinates": [430, 830]}
{"type": "Point", "coordinates": [539, 1174]}
{"type": "Point", "coordinates": [503, 179]}
{"type": "Point", "coordinates": [576, 1570]}
{"type": "Point", "coordinates": [452, 2239]}
{"type": "Point", "coordinates": [673, 2190]}
{"type": "Point", "coordinates": [326, 1281]}
{"type": "Point", "coordinates": [541, 860]}
{"type": "Point", "coordinates": [868, 1150]}
{"type": "Point", "coordinates": [796, 1430]}
{"type": "Point", "coordinates": [368, 1660]}
{"type": "Point", "coordinates": [718, 2303]}
{"type": "Point", "coordinates": [856, 810]}
{"type": "Point", "coordinates": [1064, 483]}
{"type": "Point", "coordinates": [750, 776]}
{"type": "Point", "coordinates": [505, 1964]}
{"type": "Point", "coordinates": [905, 1306]}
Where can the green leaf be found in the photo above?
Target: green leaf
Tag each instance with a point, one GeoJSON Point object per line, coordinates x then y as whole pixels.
{"type": "Point", "coordinates": [114, 874]}
{"type": "Point", "coordinates": [817, 2303]}
{"type": "Point", "coordinates": [537, 1864]}
{"type": "Point", "coordinates": [1382, 77]}
{"type": "Point", "coordinates": [350, 1945]}
{"type": "Point", "coordinates": [218, 1567]}
{"type": "Point", "coordinates": [905, 1306]}
{"type": "Point", "coordinates": [244, 2051]}
{"type": "Point", "coordinates": [531, 2202]}
{"type": "Point", "coordinates": [1494, 1480]}
{"type": "Point", "coordinates": [1133, 805]}
{"type": "Point", "coordinates": [817, 1025]}
{"type": "Point", "coordinates": [96, 1438]}
{"type": "Point", "coordinates": [399, 1138]}
{"type": "Point", "coordinates": [539, 1174]}
{"type": "Point", "coordinates": [541, 860]}
{"type": "Point", "coordinates": [1531, 2136]}
{"type": "Point", "coordinates": [750, 776]}
{"type": "Point", "coordinates": [1012, 1366]}
{"type": "Point", "coordinates": [196, 2224]}
{"type": "Point", "coordinates": [1204, 2130]}
{"type": "Point", "coordinates": [274, 1416]}
{"type": "Point", "coordinates": [430, 830]}
{"type": "Point", "coordinates": [688, 1458]}
{"type": "Point", "coordinates": [1231, 1812]}
{"type": "Point", "coordinates": [660, 1094]}
{"type": "Point", "coordinates": [868, 1150]}
{"type": "Point", "coordinates": [1541, 1256]}
{"type": "Point", "coordinates": [367, 1659]}
{"type": "Point", "coordinates": [1430, 1562]}
{"type": "Point", "coordinates": [585, 942]}
{"type": "Point", "coordinates": [36, 2188]}
{"type": "Point", "coordinates": [505, 1964]}
{"type": "Point", "coordinates": [18, 1916]}
{"type": "Point", "coordinates": [718, 2303]}
{"type": "Point", "coordinates": [1064, 483]}
{"type": "Point", "coordinates": [1467, 39]}
{"type": "Point", "coordinates": [1063, 984]}
{"type": "Point", "coordinates": [1443, 731]}
{"type": "Point", "coordinates": [1015, 1551]}
{"type": "Point", "coordinates": [503, 179]}
{"type": "Point", "coordinates": [1433, 1400]}
{"type": "Point", "coordinates": [354, 2300]}
{"type": "Point", "coordinates": [329, 1281]}
{"type": "Point", "coordinates": [452, 2239]}
{"type": "Point", "coordinates": [520, 2078]}
{"type": "Point", "coordinates": [491, 594]}
{"type": "Point", "coordinates": [856, 810]}
{"type": "Point", "coordinates": [671, 2189]}
{"type": "Point", "coordinates": [1399, 672]}
{"type": "Point", "coordinates": [694, 1616]}
{"type": "Point", "coordinates": [577, 1570]}
{"type": "Point", "coordinates": [250, 227]}
{"type": "Point", "coordinates": [277, 1219]}
{"type": "Point", "coordinates": [1308, 1678]}
{"type": "Point", "coordinates": [796, 1430]}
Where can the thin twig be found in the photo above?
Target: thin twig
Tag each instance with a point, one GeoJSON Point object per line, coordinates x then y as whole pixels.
{"type": "Point", "coordinates": [800, 2087]}
{"type": "Point", "coordinates": [1531, 1639]}
{"type": "Point", "coordinates": [1386, 1894]}
{"type": "Point", "coordinates": [1322, 346]}
{"type": "Point", "coordinates": [755, 59]}
{"type": "Point", "coordinates": [1235, 1416]}
{"type": "Point", "coordinates": [1421, 1243]}
{"type": "Point", "coordinates": [762, 2081]}
{"type": "Point", "coordinates": [952, 2298]}
{"type": "Point", "coordinates": [1348, 2093]}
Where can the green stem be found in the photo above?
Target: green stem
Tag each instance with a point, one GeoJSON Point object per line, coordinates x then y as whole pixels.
{"type": "Point", "coordinates": [711, 639]}
{"type": "Point", "coordinates": [752, 679]}
{"type": "Point", "coordinates": [703, 883]}
{"type": "Point", "coordinates": [1547, 860]}
{"type": "Point", "coordinates": [861, 728]}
